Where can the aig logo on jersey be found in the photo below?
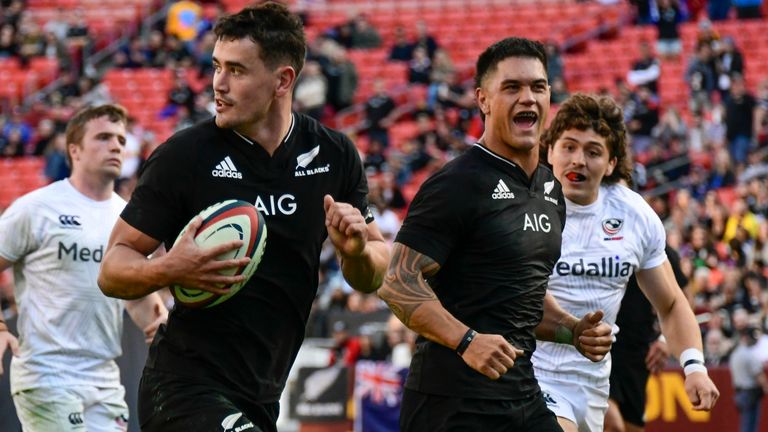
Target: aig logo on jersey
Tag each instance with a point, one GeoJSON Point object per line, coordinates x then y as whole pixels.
{"type": "Point", "coordinates": [271, 205]}
{"type": "Point", "coordinates": [303, 160]}
{"type": "Point", "coordinates": [611, 227]}
{"type": "Point", "coordinates": [537, 223]}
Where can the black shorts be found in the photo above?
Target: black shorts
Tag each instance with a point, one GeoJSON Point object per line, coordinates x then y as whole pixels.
{"type": "Point", "coordinates": [169, 403]}
{"type": "Point", "coordinates": [629, 377]}
{"type": "Point", "coordinates": [422, 412]}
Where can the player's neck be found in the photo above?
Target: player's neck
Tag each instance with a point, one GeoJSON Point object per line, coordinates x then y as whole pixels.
{"type": "Point", "coordinates": [94, 187]}
{"type": "Point", "coordinates": [526, 159]}
{"type": "Point", "coordinates": [270, 131]}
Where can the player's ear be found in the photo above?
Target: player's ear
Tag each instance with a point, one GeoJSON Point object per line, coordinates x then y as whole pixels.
{"type": "Point", "coordinates": [611, 167]}
{"type": "Point", "coordinates": [73, 149]}
{"type": "Point", "coordinates": [482, 101]}
{"type": "Point", "coordinates": [286, 78]}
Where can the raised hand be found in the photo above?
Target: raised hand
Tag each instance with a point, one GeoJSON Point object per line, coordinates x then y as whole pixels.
{"type": "Point", "coordinates": [346, 227]}
{"type": "Point", "coordinates": [592, 337]}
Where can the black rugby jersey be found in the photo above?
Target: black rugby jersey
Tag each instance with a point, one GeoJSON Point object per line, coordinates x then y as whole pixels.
{"type": "Point", "coordinates": [496, 235]}
{"type": "Point", "coordinates": [249, 342]}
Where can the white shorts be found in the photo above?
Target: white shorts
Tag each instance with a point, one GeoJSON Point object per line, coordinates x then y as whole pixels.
{"type": "Point", "coordinates": [80, 408]}
{"type": "Point", "coordinates": [582, 401]}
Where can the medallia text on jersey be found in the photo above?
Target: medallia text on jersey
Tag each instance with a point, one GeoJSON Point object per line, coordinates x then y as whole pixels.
{"type": "Point", "coordinates": [71, 248]}
{"type": "Point", "coordinates": [611, 266]}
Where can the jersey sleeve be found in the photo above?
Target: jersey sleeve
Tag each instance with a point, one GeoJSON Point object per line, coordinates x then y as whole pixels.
{"type": "Point", "coordinates": [436, 218]}
{"type": "Point", "coordinates": [157, 203]}
{"type": "Point", "coordinates": [356, 185]}
{"type": "Point", "coordinates": [654, 239]}
{"type": "Point", "coordinates": [18, 234]}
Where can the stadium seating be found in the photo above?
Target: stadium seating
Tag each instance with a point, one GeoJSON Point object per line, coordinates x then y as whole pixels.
{"type": "Point", "coordinates": [19, 176]}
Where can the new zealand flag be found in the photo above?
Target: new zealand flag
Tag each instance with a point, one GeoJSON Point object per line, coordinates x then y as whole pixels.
{"type": "Point", "coordinates": [378, 393]}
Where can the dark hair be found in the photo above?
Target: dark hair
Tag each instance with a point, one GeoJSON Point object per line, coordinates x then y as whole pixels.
{"type": "Point", "coordinates": [278, 32]}
{"type": "Point", "coordinates": [75, 131]}
{"type": "Point", "coordinates": [601, 114]}
{"type": "Point", "coordinates": [505, 48]}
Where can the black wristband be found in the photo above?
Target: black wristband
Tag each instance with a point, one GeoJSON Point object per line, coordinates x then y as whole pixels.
{"type": "Point", "coordinates": [468, 336]}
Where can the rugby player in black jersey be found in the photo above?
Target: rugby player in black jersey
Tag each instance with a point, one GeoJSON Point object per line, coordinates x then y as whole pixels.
{"type": "Point", "coordinates": [470, 265]}
{"type": "Point", "coordinates": [637, 352]}
{"type": "Point", "coordinates": [226, 366]}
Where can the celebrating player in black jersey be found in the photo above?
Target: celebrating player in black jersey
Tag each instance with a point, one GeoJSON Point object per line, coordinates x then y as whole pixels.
{"type": "Point", "coordinates": [471, 262]}
{"type": "Point", "coordinates": [226, 366]}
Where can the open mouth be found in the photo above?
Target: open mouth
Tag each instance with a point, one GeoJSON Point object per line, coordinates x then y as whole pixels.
{"type": "Point", "coordinates": [575, 177]}
{"type": "Point", "coordinates": [220, 103]}
{"type": "Point", "coordinates": [525, 119]}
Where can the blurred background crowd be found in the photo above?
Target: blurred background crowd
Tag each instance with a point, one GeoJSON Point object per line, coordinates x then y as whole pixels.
{"type": "Point", "coordinates": [396, 76]}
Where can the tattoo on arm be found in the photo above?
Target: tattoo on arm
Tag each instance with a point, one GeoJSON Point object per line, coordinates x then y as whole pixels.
{"type": "Point", "coordinates": [405, 277]}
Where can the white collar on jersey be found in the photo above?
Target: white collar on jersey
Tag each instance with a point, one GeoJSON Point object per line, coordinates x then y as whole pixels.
{"type": "Point", "coordinates": [285, 138]}
{"type": "Point", "coordinates": [481, 146]}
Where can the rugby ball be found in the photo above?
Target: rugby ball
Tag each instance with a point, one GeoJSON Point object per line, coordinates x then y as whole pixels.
{"type": "Point", "coordinates": [222, 222]}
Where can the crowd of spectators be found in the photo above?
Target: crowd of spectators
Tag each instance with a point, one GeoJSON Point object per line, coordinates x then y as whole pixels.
{"type": "Point", "coordinates": [713, 149]}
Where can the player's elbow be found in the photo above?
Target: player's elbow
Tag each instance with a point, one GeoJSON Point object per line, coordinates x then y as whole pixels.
{"type": "Point", "coordinates": [105, 286]}
{"type": "Point", "coordinates": [108, 286]}
{"type": "Point", "coordinates": [387, 294]}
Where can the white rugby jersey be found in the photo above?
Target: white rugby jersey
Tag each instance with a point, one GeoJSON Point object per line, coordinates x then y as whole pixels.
{"type": "Point", "coordinates": [69, 332]}
{"type": "Point", "coordinates": [603, 244]}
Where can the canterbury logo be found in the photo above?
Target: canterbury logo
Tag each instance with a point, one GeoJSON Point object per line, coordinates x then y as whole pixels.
{"type": "Point", "coordinates": [227, 169]}
{"type": "Point", "coordinates": [69, 220]}
{"type": "Point", "coordinates": [502, 191]}
{"type": "Point", "coordinates": [76, 418]}
{"type": "Point", "coordinates": [304, 159]}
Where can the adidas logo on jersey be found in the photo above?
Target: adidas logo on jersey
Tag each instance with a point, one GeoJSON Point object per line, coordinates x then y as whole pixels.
{"type": "Point", "coordinates": [227, 169]}
{"type": "Point", "coordinates": [502, 191]}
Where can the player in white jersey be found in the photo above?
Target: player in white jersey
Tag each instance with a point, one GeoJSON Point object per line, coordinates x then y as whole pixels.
{"type": "Point", "coordinates": [610, 232]}
{"type": "Point", "coordinates": [63, 373]}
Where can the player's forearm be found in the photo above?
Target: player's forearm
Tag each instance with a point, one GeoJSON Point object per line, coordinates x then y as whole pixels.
{"type": "Point", "coordinates": [556, 324]}
{"type": "Point", "coordinates": [413, 301]}
{"type": "Point", "coordinates": [366, 272]}
{"type": "Point", "coordinates": [679, 326]}
{"type": "Point", "coordinates": [127, 274]}
{"type": "Point", "coordinates": [423, 313]}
